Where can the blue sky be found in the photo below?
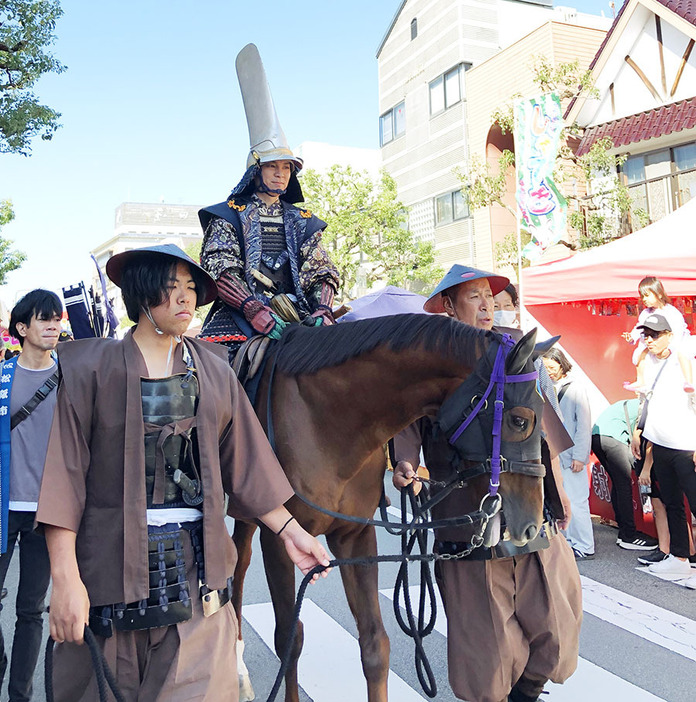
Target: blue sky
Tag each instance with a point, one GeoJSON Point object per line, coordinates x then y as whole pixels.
{"type": "Point", "coordinates": [151, 110]}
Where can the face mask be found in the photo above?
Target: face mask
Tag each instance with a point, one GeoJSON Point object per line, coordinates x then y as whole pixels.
{"type": "Point", "coordinates": [505, 318]}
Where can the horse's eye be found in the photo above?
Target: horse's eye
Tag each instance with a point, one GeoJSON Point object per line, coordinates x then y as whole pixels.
{"type": "Point", "coordinates": [520, 423]}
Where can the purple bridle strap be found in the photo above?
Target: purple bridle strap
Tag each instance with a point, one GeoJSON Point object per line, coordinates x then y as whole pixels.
{"type": "Point", "coordinates": [498, 379]}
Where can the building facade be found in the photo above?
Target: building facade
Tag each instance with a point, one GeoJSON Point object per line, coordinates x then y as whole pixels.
{"type": "Point", "coordinates": [424, 101]}
{"type": "Point", "coordinates": [645, 73]}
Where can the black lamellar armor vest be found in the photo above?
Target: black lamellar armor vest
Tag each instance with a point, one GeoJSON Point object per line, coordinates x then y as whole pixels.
{"type": "Point", "coordinates": [274, 251]}
{"type": "Point", "coordinates": [171, 474]}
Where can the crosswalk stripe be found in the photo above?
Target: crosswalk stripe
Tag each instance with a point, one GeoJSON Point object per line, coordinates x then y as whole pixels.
{"type": "Point", "coordinates": [329, 667]}
{"type": "Point", "coordinates": [660, 626]}
{"type": "Point", "coordinates": [655, 624]}
{"type": "Point", "coordinates": [588, 682]}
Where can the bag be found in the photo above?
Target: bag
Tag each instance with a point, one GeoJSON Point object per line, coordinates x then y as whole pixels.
{"type": "Point", "coordinates": [562, 392]}
{"type": "Point", "coordinates": [644, 413]}
{"type": "Point", "coordinates": [39, 396]}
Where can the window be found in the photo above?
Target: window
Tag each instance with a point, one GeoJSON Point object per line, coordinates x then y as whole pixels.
{"type": "Point", "coordinates": [448, 89]}
{"type": "Point", "coordinates": [437, 96]}
{"type": "Point", "coordinates": [451, 207]}
{"type": "Point", "coordinates": [634, 168]}
{"type": "Point", "coordinates": [392, 124]}
{"type": "Point", "coordinates": [685, 157]}
{"type": "Point", "coordinates": [660, 181]}
{"type": "Point", "coordinates": [414, 28]}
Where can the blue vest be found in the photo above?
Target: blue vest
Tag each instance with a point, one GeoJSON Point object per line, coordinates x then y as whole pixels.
{"type": "Point", "coordinates": [7, 371]}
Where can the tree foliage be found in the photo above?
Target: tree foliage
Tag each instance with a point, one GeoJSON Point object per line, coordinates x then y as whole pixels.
{"type": "Point", "coordinates": [367, 233]}
{"type": "Point", "coordinates": [595, 218]}
{"type": "Point", "coordinates": [26, 33]}
{"type": "Point", "coordinates": [10, 259]}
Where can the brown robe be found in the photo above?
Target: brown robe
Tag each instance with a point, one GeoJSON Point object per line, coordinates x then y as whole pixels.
{"type": "Point", "coordinates": [510, 621]}
{"type": "Point", "coordinates": [94, 478]}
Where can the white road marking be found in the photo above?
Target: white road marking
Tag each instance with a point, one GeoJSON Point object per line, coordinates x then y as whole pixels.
{"type": "Point", "coordinates": [660, 626]}
{"type": "Point", "coordinates": [329, 667]}
{"type": "Point", "coordinates": [588, 682]}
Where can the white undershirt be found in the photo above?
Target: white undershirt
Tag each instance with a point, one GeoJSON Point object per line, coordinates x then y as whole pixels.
{"type": "Point", "coordinates": [173, 515]}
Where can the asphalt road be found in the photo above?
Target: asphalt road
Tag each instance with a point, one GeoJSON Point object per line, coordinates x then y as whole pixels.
{"type": "Point", "coordinates": [638, 638]}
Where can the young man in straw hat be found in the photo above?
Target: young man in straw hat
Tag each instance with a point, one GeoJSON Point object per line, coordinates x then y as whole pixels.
{"type": "Point", "coordinates": [151, 435]}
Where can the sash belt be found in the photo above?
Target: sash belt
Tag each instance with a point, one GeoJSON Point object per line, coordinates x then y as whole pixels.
{"type": "Point", "coordinates": [169, 600]}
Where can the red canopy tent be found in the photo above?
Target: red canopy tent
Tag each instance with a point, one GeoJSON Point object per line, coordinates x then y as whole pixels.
{"type": "Point", "coordinates": [592, 297]}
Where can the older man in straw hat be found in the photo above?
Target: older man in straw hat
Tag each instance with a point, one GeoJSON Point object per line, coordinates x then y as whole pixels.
{"type": "Point", "coordinates": [513, 613]}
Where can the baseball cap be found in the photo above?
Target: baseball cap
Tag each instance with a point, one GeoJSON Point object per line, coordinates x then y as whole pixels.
{"type": "Point", "coordinates": [655, 322]}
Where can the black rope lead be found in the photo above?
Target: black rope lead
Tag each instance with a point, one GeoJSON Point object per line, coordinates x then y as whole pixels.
{"type": "Point", "coordinates": [417, 630]}
{"type": "Point", "coordinates": [410, 532]}
{"type": "Point", "coordinates": [336, 563]}
{"type": "Point", "coordinates": [102, 672]}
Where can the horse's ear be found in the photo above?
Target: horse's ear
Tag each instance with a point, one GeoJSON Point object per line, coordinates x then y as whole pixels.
{"type": "Point", "coordinates": [523, 349]}
{"type": "Point", "coordinates": [543, 346]}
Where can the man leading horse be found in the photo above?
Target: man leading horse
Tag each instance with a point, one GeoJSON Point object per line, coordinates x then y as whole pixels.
{"type": "Point", "coordinates": [513, 612]}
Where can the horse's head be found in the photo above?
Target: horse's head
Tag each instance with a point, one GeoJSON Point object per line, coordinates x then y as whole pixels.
{"type": "Point", "coordinates": [493, 423]}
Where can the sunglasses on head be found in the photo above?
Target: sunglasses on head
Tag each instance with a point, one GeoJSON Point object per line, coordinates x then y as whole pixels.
{"type": "Point", "coordinates": [650, 334]}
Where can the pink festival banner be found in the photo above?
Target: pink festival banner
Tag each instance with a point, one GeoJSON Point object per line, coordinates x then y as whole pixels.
{"type": "Point", "coordinates": [540, 204]}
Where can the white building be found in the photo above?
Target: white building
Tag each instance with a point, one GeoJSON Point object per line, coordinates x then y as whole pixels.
{"type": "Point", "coordinates": [645, 72]}
{"type": "Point", "coordinates": [319, 156]}
{"type": "Point", "coordinates": [139, 224]}
{"type": "Point", "coordinates": [422, 61]}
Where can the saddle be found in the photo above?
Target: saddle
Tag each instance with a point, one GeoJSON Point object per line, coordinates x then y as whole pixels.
{"type": "Point", "coordinates": [248, 363]}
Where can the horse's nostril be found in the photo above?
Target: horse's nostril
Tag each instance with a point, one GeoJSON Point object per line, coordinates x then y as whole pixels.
{"type": "Point", "coordinates": [531, 531]}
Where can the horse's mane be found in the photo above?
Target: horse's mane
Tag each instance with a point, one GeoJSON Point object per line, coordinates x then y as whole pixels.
{"type": "Point", "coordinates": [306, 350]}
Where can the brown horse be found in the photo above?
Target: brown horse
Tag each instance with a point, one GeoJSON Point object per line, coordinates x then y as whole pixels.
{"type": "Point", "coordinates": [338, 394]}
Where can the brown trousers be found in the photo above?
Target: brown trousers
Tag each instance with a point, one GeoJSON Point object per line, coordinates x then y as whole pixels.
{"type": "Point", "coordinates": [194, 661]}
{"type": "Point", "coordinates": [511, 621]}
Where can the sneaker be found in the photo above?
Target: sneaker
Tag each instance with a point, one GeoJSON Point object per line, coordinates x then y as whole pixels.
{"type": "Point", "coordinates": [640, 542]}
{"type": "Point", "coordinates": [581, 555]}
{"type": "Point", "coordinates": [690, 583]}
{"type": "Point", "coordinates": [671, 568]}
{"type": "Point", "coordinates": [654, 557]}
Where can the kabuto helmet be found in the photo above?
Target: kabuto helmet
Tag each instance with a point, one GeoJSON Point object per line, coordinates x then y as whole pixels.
{"type": "Point", "coordinates": [266, 137]}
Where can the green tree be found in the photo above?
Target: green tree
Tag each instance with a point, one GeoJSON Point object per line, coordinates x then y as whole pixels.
{"type": "Point", "coordinates": [595, 218]}
{"type": "Point", "coordinates": [367, 230]}
{"type": "Point", "coordinates": [10, 260]}
{"type": "Point", "coordinates": [26, 33]}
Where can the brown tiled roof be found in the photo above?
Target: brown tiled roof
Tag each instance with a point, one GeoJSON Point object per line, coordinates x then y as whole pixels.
{"type": "Point", "coordinates": [686, 9]}
{"type": "Point", "coordinates": [666, 119]}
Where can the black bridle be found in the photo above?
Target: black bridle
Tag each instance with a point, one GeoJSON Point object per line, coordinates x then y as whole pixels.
{"type": "Point", "coordinates": [472, 418]}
